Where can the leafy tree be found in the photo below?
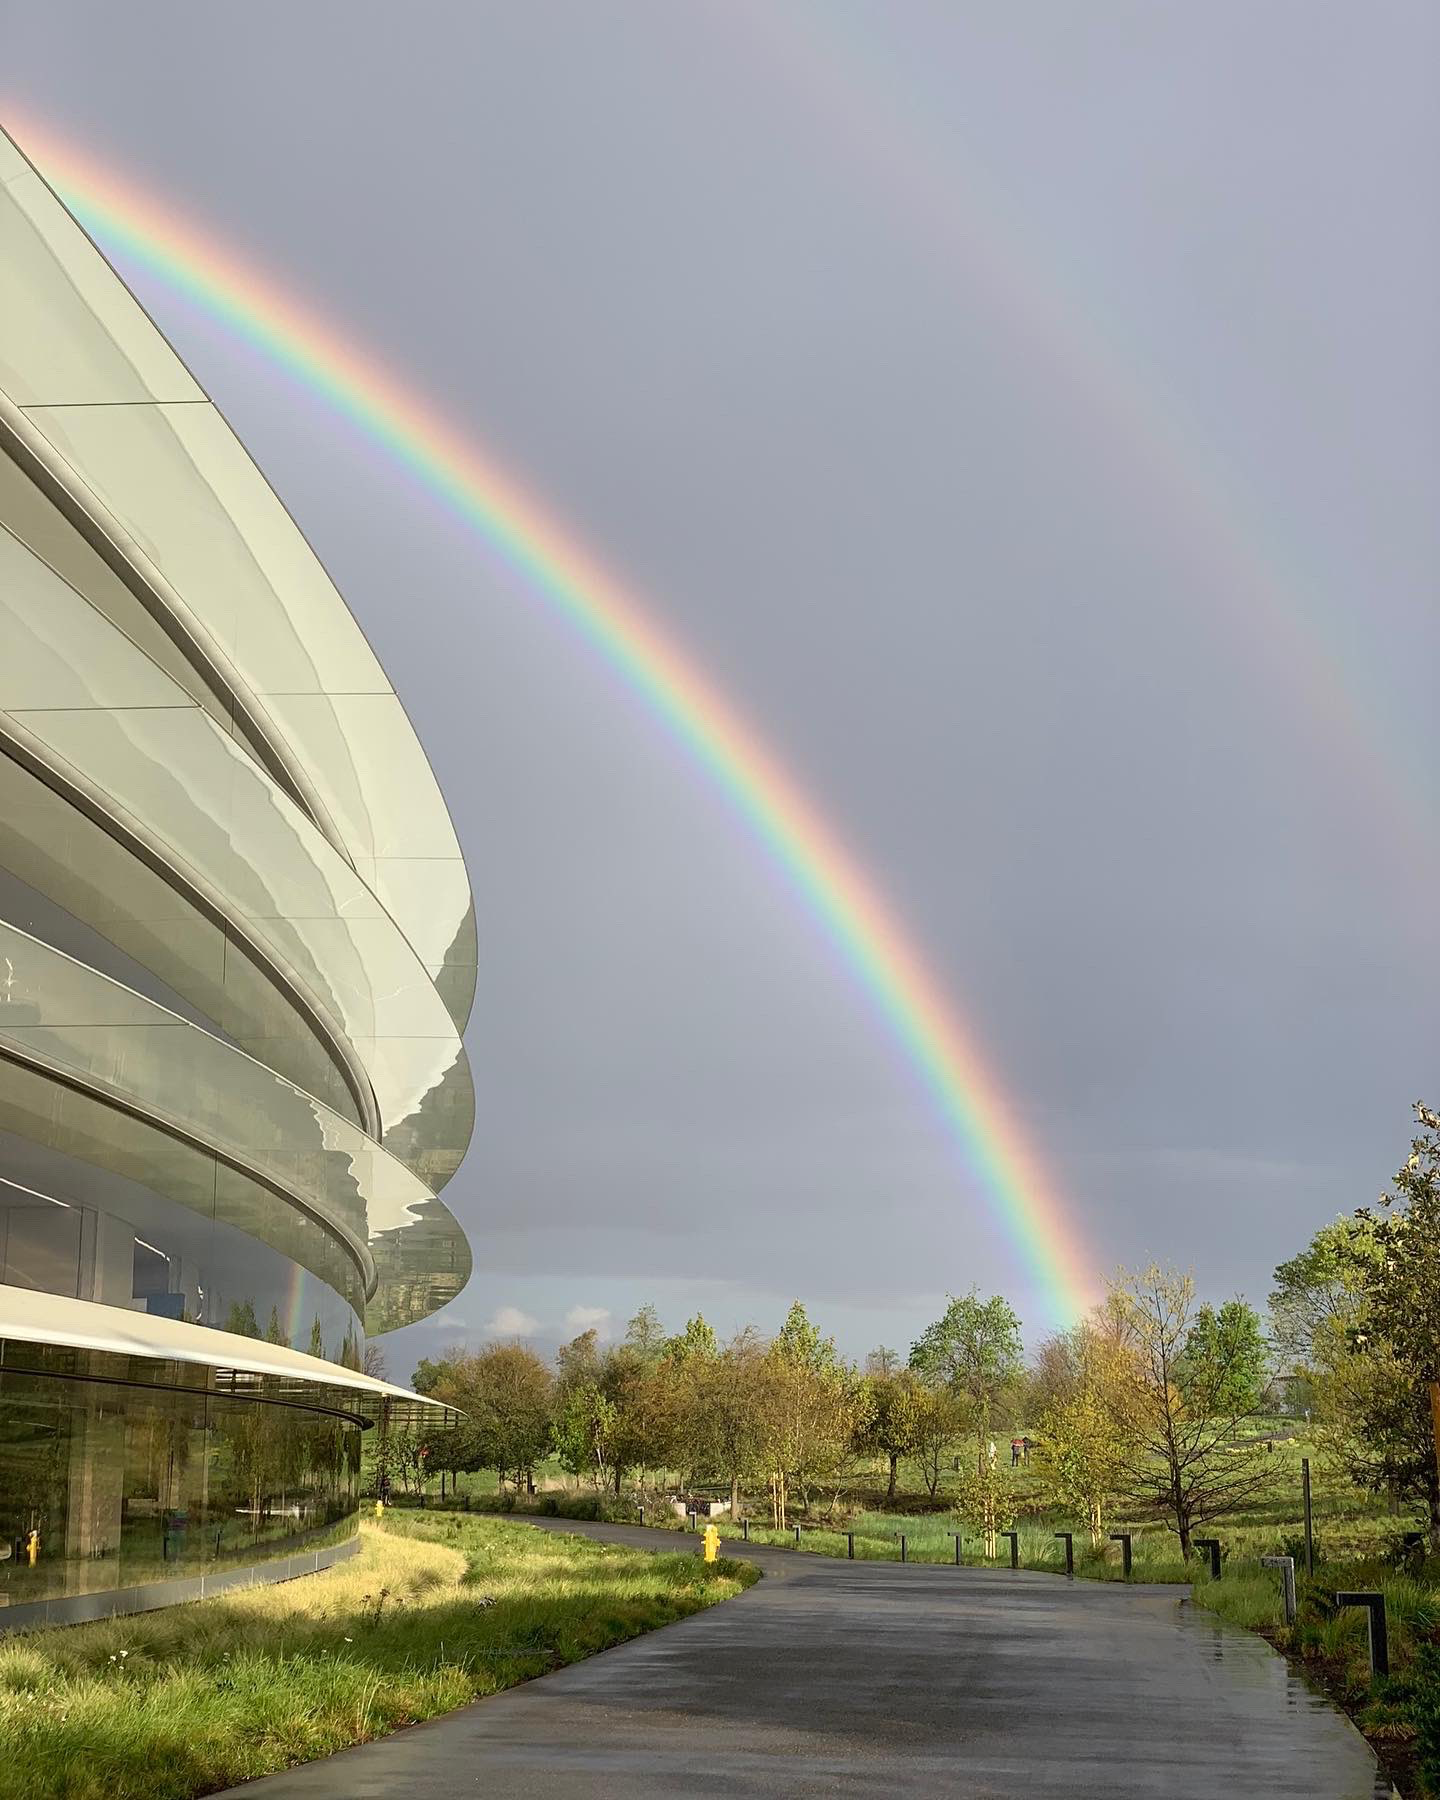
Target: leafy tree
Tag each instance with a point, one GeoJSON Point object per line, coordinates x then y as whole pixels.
{"type": "Point", "coordinates": [584, 1431]}
{"type": "Point", "coordinates": [800, 1342]}
{"type": "Point", "coordinates": [1390, 1378]}
{"type": "Point", "coordinates": [941, 1421]}
{"type": "Point", "coordinates": [973, 1349]}
{"type": "Point", "coordinates": [275, 1331]}
{"type": "Point", "coordinates": [984, 1501]}
{"type": "Point", "coordinates": [317, 1340]}
{"type": "Point", "coordinates": [883, 1361]}
{"type": "Point", "coordinates": [1321, 1288]}
{"type": "Point", "coordinates": [579, 1360]}
{"type": "Point", "coordinates": [645, 1335]}
{"type": "Point", "coordinates": [813, 1415]}
{"type": "Point", "coordinates": [1182, 1457]}
{"type": "Point", "coordinates": [721, 1405]}
{"type": "Point", "coordinates": [893, 1424]}
{"type": "Point", "coordinates": [1230, 1342]}
{"type": "Point", "coordinates": [503, 1394]}
{"type": "Point", "coordinates": [697, 1339]}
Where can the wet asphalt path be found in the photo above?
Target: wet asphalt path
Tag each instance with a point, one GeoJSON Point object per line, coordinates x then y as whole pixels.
{"type": "Point", "coordinates": [873, 1679]}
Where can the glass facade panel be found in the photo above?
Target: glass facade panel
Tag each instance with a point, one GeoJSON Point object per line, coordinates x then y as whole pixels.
{"type": "Point", "coordinates": [39, 524]}
{"type": "Point", "coordinates": [243, 837]}
{"type": "Point", "coordinates": [111, 1482]}
{"type": "Point", "coordinates": [233, 1250]}
{"type": "Point", "coordinates": [67, 1017]}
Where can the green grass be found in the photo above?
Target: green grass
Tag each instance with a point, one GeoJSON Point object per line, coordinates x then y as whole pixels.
{"type": "Point", "coordinates": [435, 1610]}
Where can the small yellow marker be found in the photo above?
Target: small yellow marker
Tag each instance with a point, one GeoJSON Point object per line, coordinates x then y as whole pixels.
{"type": "Point", "coordinates": [712, 1543]}
{"type": "Point", "coordinates": [379, 1509]}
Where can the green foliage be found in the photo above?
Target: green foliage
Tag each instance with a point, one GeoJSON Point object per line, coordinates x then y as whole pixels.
{"type": "Point", "coordinates": [645, 1335]}
{"type": "Point", "coordinates": [697, 1339]}
{"type": "Point", "coordinates": [1223, 1363]}
{"type": "Point", "coordinates": [973, 1349]}
{"type": "Point", "coordinates": [1321, 1288]}
{"type": "Point", "coordinates": [800, 1343]}
{"type": "Point", "coordinates": [1185, 1457]}
{"type": "Point", "coordinates": [1378, 1361]}
{"type": "Point", "coordinates": [896, 1407]}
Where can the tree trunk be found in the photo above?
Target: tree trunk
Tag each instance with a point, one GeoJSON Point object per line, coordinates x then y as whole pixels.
{"type": "Point", "coordinates": [894, 1464]}
{"type": "Point", "coordinates": [617, 1481]}
{"type": "Point", "coordinates": [734, 1497]}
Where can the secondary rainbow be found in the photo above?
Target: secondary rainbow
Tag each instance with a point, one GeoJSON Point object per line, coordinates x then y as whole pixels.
{"type": "Point", "coordinates": [143, 231]}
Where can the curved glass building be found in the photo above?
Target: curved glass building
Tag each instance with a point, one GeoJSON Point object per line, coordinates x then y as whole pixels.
{"type": "Point", "coordinates": [237, 950]}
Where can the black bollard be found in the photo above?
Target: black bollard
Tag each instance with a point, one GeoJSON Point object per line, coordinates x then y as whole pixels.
{"type": "Point", "coordinates": [1212, 1547]}
{"type": "Point", "coordinates": [901, 1536]}
{"type": "Point", "coordinates": [797, 1537]}
{"type": "Point", "coordinates": [850, 1540]}
{"type": "Point", "coordinates": [1069, 1537]}
{"type": "Point", "coordinates": [1379, 1638]}
{"type": "Point", "coordinates": [745, 1530]}
{"type": "Point", "coordinates": [1014, 1537]}
{"type": "Point", "coordinates": [640, 1508]}
{"type": "Point", "coordinates": [1122, 1538]}
{"type": "Point", "coordinates": [956, 1536]}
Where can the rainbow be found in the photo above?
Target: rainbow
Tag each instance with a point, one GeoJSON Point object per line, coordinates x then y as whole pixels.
{"type": "Point", "coordinates": [451, 465]}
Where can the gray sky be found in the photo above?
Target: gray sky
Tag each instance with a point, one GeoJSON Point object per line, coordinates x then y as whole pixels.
{"type": "Point", "coordinates": [1028, 415]}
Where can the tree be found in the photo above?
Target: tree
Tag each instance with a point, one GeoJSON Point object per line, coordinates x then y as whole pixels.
{"type": "Point", "coordinates": [973, 1349]}
{"type": "Point", "coordinates": [1081, 1391]}
{"type": "Point", "coordinates": [1233, 1340]}
{"type": "Point", "coordinates": [941, 1421]}
{"type": "Point", "coordinates": [893, 1424]}
{"type": "Point", "coordinates": [984, 1501]}
{"type": "Point", "coordinates": [697, 1339]}
{"type": "Point", "coordinates": [1321, 1288]}
{"type": "Point", "coordinates": [883, 1361]}
{"type": "Point", "coordinates": [800, 1342]}
{"type": "Point", "coordinates": [583, 1431]}
{"type": "Point", "coordinates": [503, 1394]}
{"type": "Point", "coordinates": [1398, 1329]}
{"type": "Point", "coordinates": [1182, 1457]}
{"type": "Point", "coordinates": [721, 1404]}
{"type": "Point", "coordinates": [645, 1335]}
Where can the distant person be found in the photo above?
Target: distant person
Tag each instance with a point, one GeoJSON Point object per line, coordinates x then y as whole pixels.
{"type": "Point", "coordinates": [1016, 1448]}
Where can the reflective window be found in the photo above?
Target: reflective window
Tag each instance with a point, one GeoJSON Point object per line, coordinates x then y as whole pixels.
{"type": "Point", "coordinates": [107, 1484]}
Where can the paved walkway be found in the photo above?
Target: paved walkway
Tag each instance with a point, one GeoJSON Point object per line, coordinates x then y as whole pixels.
{"type": "Point", "coordinates": [871, 1679]}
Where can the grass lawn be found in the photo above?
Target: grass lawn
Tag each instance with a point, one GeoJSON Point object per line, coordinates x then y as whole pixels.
{"type": "Point", "coordinates": [436, 1609]}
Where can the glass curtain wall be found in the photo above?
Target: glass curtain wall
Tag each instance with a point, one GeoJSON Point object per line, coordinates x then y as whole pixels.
{"type": "Point", "coordinates": [109, 1483]}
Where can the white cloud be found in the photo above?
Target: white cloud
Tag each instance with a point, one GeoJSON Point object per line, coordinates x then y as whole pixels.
{"type": "Point", "coordinates": [509, 1321]}
{"type": "Point", "coordinates": [582, 1318]}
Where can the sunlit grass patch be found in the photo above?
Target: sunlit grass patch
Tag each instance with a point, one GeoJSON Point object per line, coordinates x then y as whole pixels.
{"type": "Point", "coordinates": [434, 1611]}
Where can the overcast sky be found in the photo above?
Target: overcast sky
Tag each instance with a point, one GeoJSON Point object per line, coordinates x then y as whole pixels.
{"type": "Point", "coordinates": [1028, 414]}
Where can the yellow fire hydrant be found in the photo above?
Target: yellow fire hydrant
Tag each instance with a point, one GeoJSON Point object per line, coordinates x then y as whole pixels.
{"type": "Point", "coordinates": [379, 1509]}
{"type": "Point", "coordinates": [712, 1543]}
{"type": "Point", "coordinates": [32, 1548]}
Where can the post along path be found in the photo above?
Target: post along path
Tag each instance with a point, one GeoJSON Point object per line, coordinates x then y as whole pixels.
{"type": "Point", "coordinates": [874, 1679]}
